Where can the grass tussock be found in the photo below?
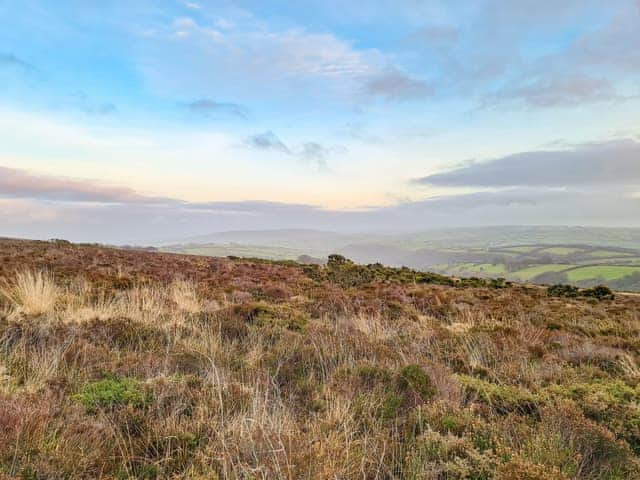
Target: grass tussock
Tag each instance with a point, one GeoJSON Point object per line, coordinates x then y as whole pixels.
{"type": "Point", "coordinates": [121, 369]}
{"type": "Point", "coordinates": [30, 292]}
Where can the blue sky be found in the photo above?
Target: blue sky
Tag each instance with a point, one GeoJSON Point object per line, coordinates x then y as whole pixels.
{"type": "Point", "coordinates": [315, 113]}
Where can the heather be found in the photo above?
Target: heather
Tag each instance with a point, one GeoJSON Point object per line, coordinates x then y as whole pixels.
{"type": "Point", "coordinates": [123, 364]}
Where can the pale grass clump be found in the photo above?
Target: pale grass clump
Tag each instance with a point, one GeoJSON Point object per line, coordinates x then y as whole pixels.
{"type": "Point", "coordinates": [184, 295]}
{"type": "Point", "coordinates": [258, 440]}
{"type": "Point", "coordinates": [142, 303]}
{"type": "Point", "coordinates": [31, 292]}
{"type": "Point", "coordinates": [256, 349]}
{"type": "Point", "coordinates": [466, 319]}
{"type": "Point", "coordinates": [481, 351]}
{"type": "Point", "coordinates": [373, 326]}
{"type": "Point", "coordinates": [43, 364]}
{"type": "Point", "coordinates": [100, 309]}
{"type": "Point", "coordinates": [80, 305]}
{"type": "Point", "coordinates": [629, 366]}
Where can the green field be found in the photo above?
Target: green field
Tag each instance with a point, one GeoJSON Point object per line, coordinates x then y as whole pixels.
{"type": "Point", "coordinates": [490, 269]}
{"type": "Point", "coordinates": [522, 248]}
{"type": "Point", "coordinates": [560, 250]}
{"type": "Point", "coordinates": [604, 272]}
{"type": "Point", "coordinates": [533, 271]}
{"type": "Point", "coordinates": [608, 254]}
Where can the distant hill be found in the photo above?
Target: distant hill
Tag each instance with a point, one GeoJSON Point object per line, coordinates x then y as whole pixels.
{"type": "Point", "coordinates": [581, 256]}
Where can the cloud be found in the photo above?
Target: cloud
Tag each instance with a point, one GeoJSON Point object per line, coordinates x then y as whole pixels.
{"type": "Point", "coordinates": [267, 141]}
{"type": "Point", "coordinates": [615, 163]}
{"type": "Point", "coordinates": [313, 150]}
{"type": "Point", "coordinates": [168, 221]}
{"type": "Point", "coordinates": [189, 53]}
{"type": "Point", "coordinates": [435, 35]}
{"type": "Point", "coordinates": [79, 100]}
{"type": "Point", "coordinates": [537, 54]}
{"type": "Point", "coordinates": [208, 108]}
{"type": "Point", "coordinates": [558, 91]}
{"type": "Point", "coordinates": [44, 206]}
{"type": "Point", "coordinates": [316, 154]}
{"type": "Point", "coordinates": [16, 183]}
{"type": "Point", "coordinates": [312, 153]}
{"type": "Point", "coordinates": [9, 60]}
{"type": "Point", "coordinates": [358, 131]}
{"type": "Point", "coordinates": [396, 85]}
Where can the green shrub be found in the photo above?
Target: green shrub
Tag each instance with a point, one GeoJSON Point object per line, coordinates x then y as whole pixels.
{"type": "Point", "coordinates": [561, 290]}
{"type": "Point", "coordinates": [390, 406]}
{"type": "Point", "coordinates": [267, 315]}
{"type": "Point", "coordinates": [448, 457]}
{"type": "Point", "coordinates": [112, 392]}
{"type": "Point", "coordinates": [612, 403]}
{"type": "Point", "coordinates": [600, 292]}
{"type": "Point", "coordinates": [347, 274]}
{"type": "Point", "coordinates": [522, 469]}
{"type": "Point", "coordinates": [371, 376]}
{"type": "Point", "coordinates": [504, 398]}
{"type": "Point", "coordinates": [413, 381]}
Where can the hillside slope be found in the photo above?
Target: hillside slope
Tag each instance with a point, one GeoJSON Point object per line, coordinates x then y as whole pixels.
{"type": "Point", "coordinates": [129, 364]}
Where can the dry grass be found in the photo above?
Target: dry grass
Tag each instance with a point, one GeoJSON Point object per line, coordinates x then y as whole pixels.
{"type": "Point", "coordinates": [31, 292]}
{"type": "Point", "coordinates": [185, 296]}
{"type": "Point", "coordinates": [131, 375]}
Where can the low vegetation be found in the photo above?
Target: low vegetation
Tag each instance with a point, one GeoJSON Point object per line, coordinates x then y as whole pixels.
{"type": "Point", "coordinates": [123, 364]}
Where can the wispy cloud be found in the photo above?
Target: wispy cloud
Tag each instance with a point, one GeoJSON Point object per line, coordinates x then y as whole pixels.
{"type": "Point", "coordinates": [286, 60]}
{"type": "Point", "coordinates": [208, 108]}
{"type": "Point", "coordinates": [79, 100]}
{"type": "Point", "coordinates": [396, 85]}
{"type": "Point", "coordinates": [9, 60]}
{"type": "Point", "coordinates": [557, 91]}
{"type": "Point", "coordinates": [313, 153]}
{"type": "Point", "coordinates": [267, 141]}
{"type": "Point", "coordinates": [536, 54]}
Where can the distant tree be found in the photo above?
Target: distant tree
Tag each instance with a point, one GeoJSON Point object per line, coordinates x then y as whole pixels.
{"type": "Point", "coordinates": [337, 260]}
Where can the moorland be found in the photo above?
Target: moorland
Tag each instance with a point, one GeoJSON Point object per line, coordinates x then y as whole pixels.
{"type": "Point", "coordinates": [126, 364]}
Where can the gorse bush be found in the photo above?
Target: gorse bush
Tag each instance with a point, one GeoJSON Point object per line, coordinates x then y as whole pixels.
{"type": "Point", "coordinates": [600, 292]}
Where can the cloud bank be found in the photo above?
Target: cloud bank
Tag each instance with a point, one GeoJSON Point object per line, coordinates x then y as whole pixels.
{"type": "Point", "coordinates": [609, 164]}
{"type": "Point", "coordinates": [43, 206]}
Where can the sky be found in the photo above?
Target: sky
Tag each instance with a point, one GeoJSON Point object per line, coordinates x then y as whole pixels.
{"type": "Point", "coordinates": [139, 121]}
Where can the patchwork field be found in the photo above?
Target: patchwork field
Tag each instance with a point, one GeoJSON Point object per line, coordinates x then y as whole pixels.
{"type": "Point", "coordinates": [578, 265]}
{"type": "Point", "coordinates": [603, 272]}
